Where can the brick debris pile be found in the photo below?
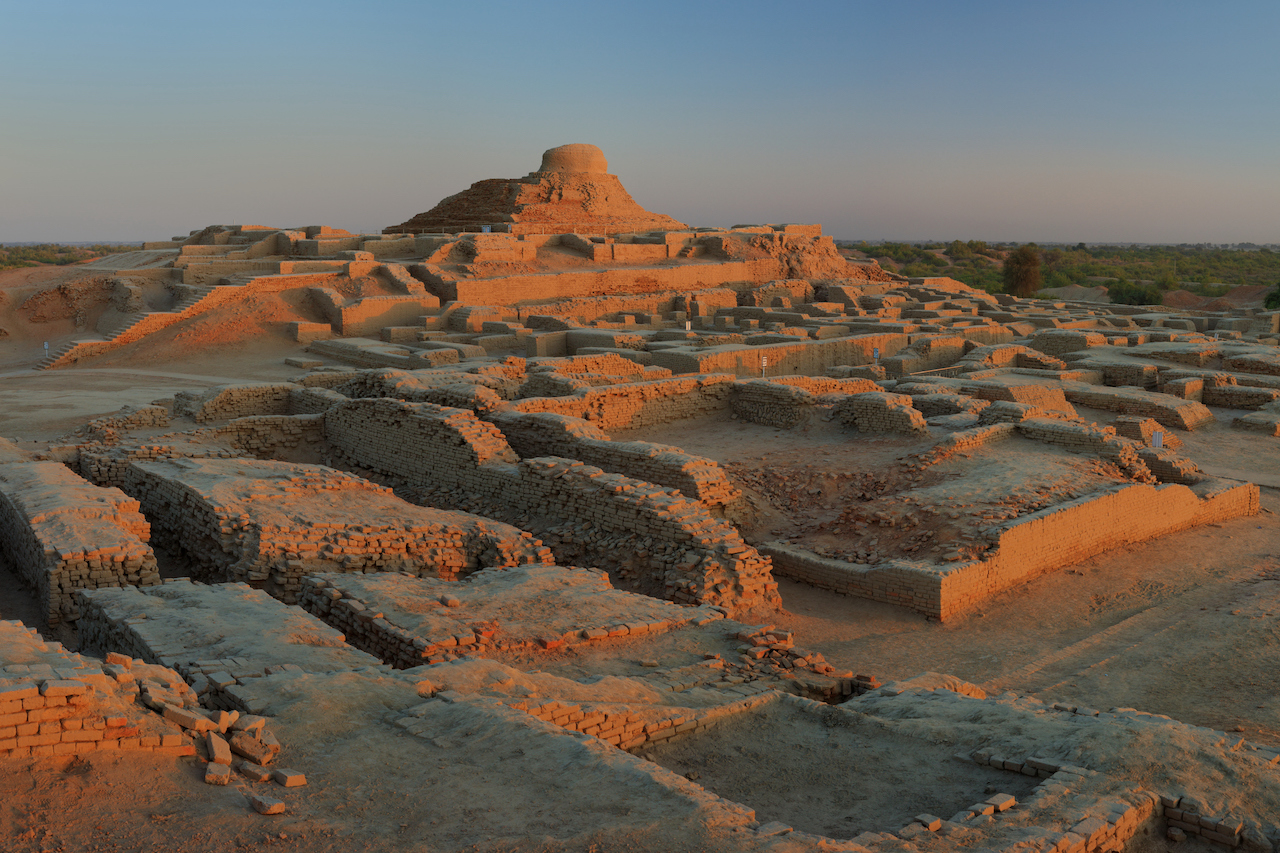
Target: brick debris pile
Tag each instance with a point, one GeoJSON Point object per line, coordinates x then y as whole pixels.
{"type": "Point", "coordinates": [61, 534]}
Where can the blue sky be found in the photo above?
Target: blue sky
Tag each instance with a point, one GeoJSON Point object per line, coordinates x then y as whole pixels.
{"type": "Point", "coordinates": [1144, 121]}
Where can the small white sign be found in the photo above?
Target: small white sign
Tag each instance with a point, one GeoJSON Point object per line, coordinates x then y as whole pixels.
{"type": "Point", "coordinates": [1157, 439]}
{"type": "Point", "coordinates": [688, 325]}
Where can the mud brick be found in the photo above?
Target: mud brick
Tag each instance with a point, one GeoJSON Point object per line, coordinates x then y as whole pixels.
{"type": "Point", "coordinates": [219, 751]}
{"type": "Point", "coordinates": [216, 774]}
{"type": "Point", "coordinates": [117, 659]}
{"type": "Point", "coordinates": [253, 772]}
{"type": "Point", "coordinates": [63, 688]}
{"type": "Point", "coordinates": [80, 736]}
{"type": "Point", "coordinates": [929, 822]}
{"type": "Point", "coordinates": [248, 746]}
{"type": "Point", "coordinates": [266, 805]}
{"type": "Point", "coordinates": [1002, 801]}
{"type": "Point", "coordinates": [188, 719]}
{"type": "Point", "coordinates": [13, 719]}
{"type": "Point", "coordinates": [250, 723]}
{"type": "Point", "coordinates": [17, 692]}
{"type": "Point", "coordinates": [288, 778]}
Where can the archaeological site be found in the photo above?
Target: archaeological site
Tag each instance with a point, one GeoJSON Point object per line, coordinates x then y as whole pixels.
{"type": "Point", "coordinates": [541, 521]}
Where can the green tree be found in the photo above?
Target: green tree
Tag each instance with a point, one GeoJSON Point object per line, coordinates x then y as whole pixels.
{"type": "Point", "coordinates": [1272, 300]}
{"type": "Point", "coordinates": [1022, 270]}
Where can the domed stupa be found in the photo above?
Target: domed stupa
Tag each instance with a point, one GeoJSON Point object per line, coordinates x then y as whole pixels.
{"type": "Point", "coordinates": [572, 191]}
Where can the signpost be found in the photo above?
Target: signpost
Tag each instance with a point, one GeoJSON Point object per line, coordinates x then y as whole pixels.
{"type": "Point", "coordinates": [764, 362]}
{"type": "Point", "coordinates": [1157, 439]}
{"type": "Point", "coordinates": [875, 355]}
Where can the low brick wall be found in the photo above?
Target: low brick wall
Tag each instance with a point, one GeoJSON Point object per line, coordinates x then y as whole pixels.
{"type": "Point", "coordinates": [549, 434]}
{"type": "Point", "coordinates": [58, 703]}
{"type": "Point", "coordinates": [637, 404]}
{"type": "Point", "coordinates": [880, 412]}
{"type": "Point", "coordinates": [1169, 411]}
{"type": "Point", "coordinates": [61, 534]}
{"type": "Point", "coordinates": [1031, 545]}
{"type": "Point", "coordinates": [224, 402]}
{"type": "Point", "coordinates": [648, 538]}
{"type": "Point", "coordinates": [269, 523]}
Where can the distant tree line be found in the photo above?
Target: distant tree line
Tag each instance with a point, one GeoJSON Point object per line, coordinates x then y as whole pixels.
{"type": "Point", "coordinates": [1133, 274]}
{"type": "Point", "coordinates": [12, 257]}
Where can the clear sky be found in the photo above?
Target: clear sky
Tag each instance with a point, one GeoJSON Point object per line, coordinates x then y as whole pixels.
{"type": "Point", "coordinates": [904, 120]}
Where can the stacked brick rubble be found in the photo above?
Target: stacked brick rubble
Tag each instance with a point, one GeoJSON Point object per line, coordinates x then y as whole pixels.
{"type": "Point", "coordinates": [269, 523]}
{"type": "Point", "coordinates": [649, 538]}
{"type": "Point", "coordinates": [62, 533]}
{"type": "Point", "coordinates": [550, 434]}
{"type": "Point", "coordinates": [878, 411]}
{"type": "Point", "coordinates": [58, 703]}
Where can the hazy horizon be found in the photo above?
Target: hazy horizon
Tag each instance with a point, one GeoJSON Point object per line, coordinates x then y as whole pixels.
{"type": "Point", "coordinates": [993, 121]}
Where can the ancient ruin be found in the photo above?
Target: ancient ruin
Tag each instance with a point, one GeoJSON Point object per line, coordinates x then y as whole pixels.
{"type": "Point", "coordinates": [600, 531]}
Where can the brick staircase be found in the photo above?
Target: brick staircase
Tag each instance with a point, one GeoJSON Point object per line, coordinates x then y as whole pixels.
{"type": "Point", "coordinates": [141, 323]}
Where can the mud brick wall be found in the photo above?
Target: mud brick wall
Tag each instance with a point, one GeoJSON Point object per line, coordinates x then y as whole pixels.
{"type": "Point", "coordinates": [637, 404]}
{"type": "Point", "coordinates": [1076, 530]}
{"type": "Point", "coordinates": [1169, 411]}
{"type": "Point", "coordinates": [648, 538]}
{"type": "Point", "coordinates": [61, 534]}
{"type": "Point", "coordinates": [802, 357]}
{"type": "Point", "coordinates": [313, 401]}
{"type": "Point", "coordinates": [264, 436]}
{"type": "Point", "coordinates": [69, 705]}
{"type": "Point", "coordinates": [269, 523]}
{"type": "Point", "coordinates": [224, 402]}
{"type": "Point", "coordinates": [1238, 396]}
{"type": "Point", "coordinates": [931, 405]}
{"type": "Point", "coordinates": [880, 412]}
{"type": "Point", "coordinates": [549, 434]}
{"type": "Point", "coordinates": [788, 401]}
{"type": "Point", "coordinates": [355, 613]}
{"type": "Point", "coordinates": [1041, 396]}
{"type": "Point", "coordinates": [191, 627]}
{"type": "Point", "coordinates": [1144, 430]}
{"type": "Point", "coordinates": [762, 402]}
{"type": "Point", "coordinates": [1267, 423]}
{"type": "Point", "coordinates": [963, 441]}
{"type": "Point", "coordinates": [1080, 437]}
{"type": "Point", "coordinates": [1169, 467]}
{"type": "Point", "coordinates": [418, 385]}
{"type": "Point", "coordinates": [1058, 341]}
{"type": "Point", "coordinates": [107, 466]}
{"type": "Point", "coordinates": [1058, 536]}
{"type": "Point", "coordinates": [108, 429]}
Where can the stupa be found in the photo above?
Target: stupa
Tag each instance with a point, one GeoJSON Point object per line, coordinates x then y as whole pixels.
{"type": "Point", "coordinates": [571, 192]}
